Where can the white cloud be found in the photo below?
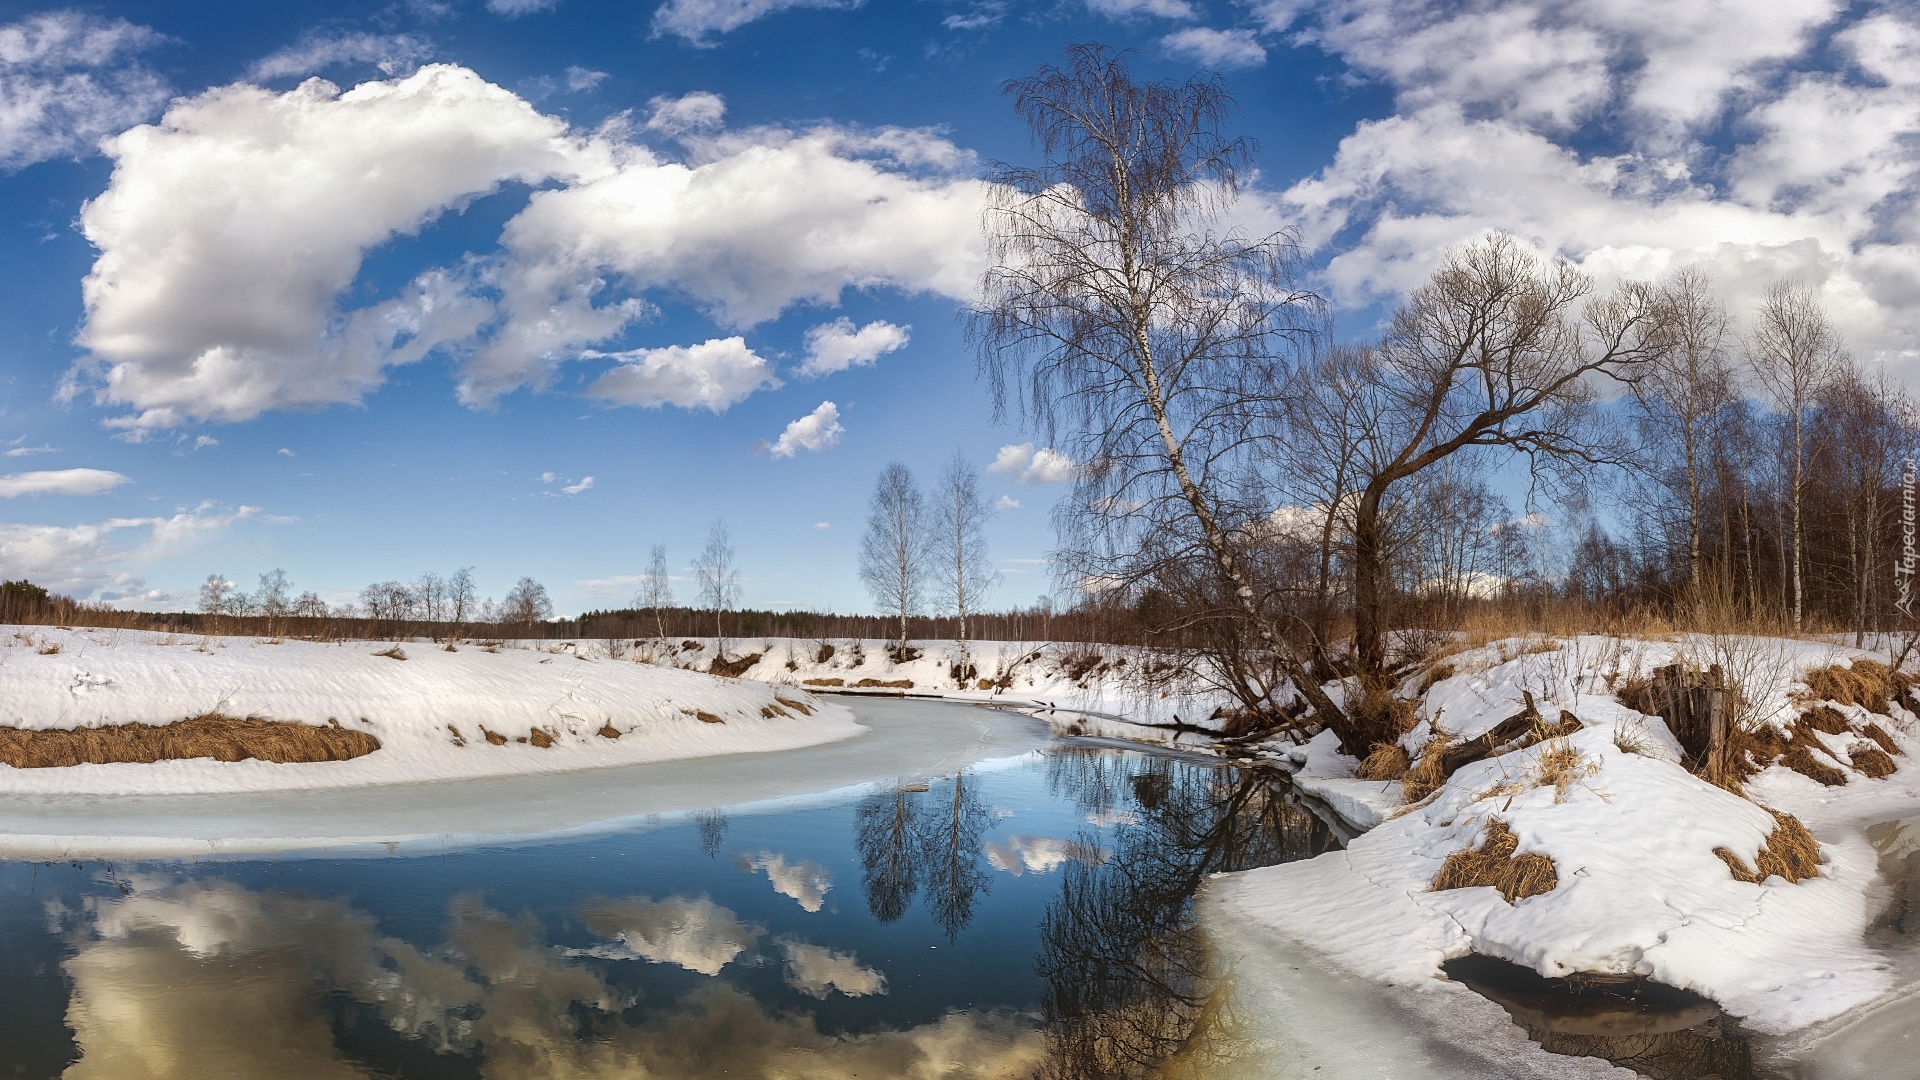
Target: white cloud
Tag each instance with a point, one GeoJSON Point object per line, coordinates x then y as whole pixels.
{"type": "Point", "coordinates": [837, 346]}
{"type": "Point", "coordinates": [817, 971]}
{"type": "Point", "coordinates": [30, 451]}
{"type": "Point", "coordinates": [712, 375]}
{"type": "Point", "coordinates": [391, 53]}
{"type": "Point", "coordinates": [585, 483]}
{"type": "Point", "coordinates": [1754, 154]}
{"type": "Point", "coordinates": [194, 308]}
{"type": "Point", "coordinates": [821, 525]}
{"type": "Point", "coordinates": [82, 560]}
{"type": "Point", "coordinates": [1006, 502]}
{"type": "Point", "coordinates": [1029, 466]}
{"type": "Point", "coordinates": [699, 21]}
{"type": "Point", "coordinates": [284, 452]}
{"type": "Point", "coordinates": [61, 482]}
{"type": "Point", "coordinates": [756, 223]}
{"type": "Point", "coordinates": [698, 935]}
{"type": "Point", "coordinates": [815, 431]}
{"type": "Point", "coordinates": [1121, 9]}
{"type": "Point", "coordinates": [806, 881]}
{"type": "Point", "coordinates": [698, 111]}
{"type": "Point", "coordinates": [1226, 50]}
{"type": "Point", "coordinates": [513, 9]}
{"type": "Point", "coordinates": [579, 78]}
{"type": "Point", "coordinates": [67, 79]}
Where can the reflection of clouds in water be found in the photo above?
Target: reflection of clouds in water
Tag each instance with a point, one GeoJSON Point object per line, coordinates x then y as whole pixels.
{"type": "Point", "coordinates": [814, 970]}
{"type": "Point", "coordinates": [1040, 854]}
{"type": "Point", "coordinates": [1107, 819]}
{"type": "Point", "coordinates": [698, 935]}
{"type": "Point", "coordinates": [807, 882]}
{"type": "Point", "coordinates": [184, 982]}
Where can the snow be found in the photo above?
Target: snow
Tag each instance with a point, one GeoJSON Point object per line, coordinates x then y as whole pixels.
{"type": "Point", "coordinates": [1631, 835]}
{"type": "Point", "coordinates": [429, 711]}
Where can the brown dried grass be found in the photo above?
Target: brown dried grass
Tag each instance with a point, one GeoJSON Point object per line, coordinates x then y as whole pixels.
{"type": "Point", "coordinates": [797, 706]}
{"type": "Point", "coordinates": [395, 653]}
{"type": "Point", "coordinates": [823, 682]}
{"type": "Point", "coordinates": [1560, 766]}
{"type": "Point", "coordinates": [1872, 763]}
{"type": "Point", "coordinates": [1879, 734]}
{"type": "Point", "coordinates": [540, 737]}
{"type": "Point", "coordinates": [608, 731]}
{"type": "Point", "coordinates": [1495, 864]}
{"type": "Point", "coordinates": [493, 737]}
{"type": "Point", "coordinates": [768, 712]}
{"type": "Point", "coordinates": [1790, 852]}
{"type": "Point", "coordinates": [707, 717]}
{"type": "Point", "coordinates": [1433, 675]}
{"type": "Point", "coordinates": [1825, 719]}
{"type": "Point", "coordinates": [1799, 757]}
{"type": "Point", "coordinates": [733, 669]}
{"type": "Point", "coordinates": [896, 684]}
{"type": "Point", "coordinates": [1428, 774]}
{"type": "Point", "coordinates": [1387, 762]}
{"type": "Point", "coordinates": [223, 738]}
{"type": "Point", "coordinates": [1867, 682]}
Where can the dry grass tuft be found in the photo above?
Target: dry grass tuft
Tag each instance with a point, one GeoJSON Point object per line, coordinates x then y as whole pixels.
{"type": "Point", "coordinates": [768, 712]}
{"type": "Point", "coordinates": [1790, 852]}
{"type": "Point", "coordinates": [1800, 759]}
{"type": "Point", "coordinates": [1433, 675]}
{"type": "Point", "coordinates": [733, 669]}
{"type": "Point", "coordinates": [541, 737]}
{"type": "Point", "coordinates": [1867, 682]}
{"type": "Point", "coordinates": [223, 738]}
{"type": "Point", "coordinates": [1872, 763]}
{"type": "Point", "coordinates": [1879, 734]}
{"type": "Point", "coordinates": [1428, 774]}
{"type": "Point", "coordinates": [1560, 766]}
{"type": "Point", "coordinates": [1387, 762]}
{"type": "Point", "coordinates": [396, 653]}
{"type": "Point", "coordinates": [458, 739]}
{"type": "Point", "coordinates": [797, 706]}
{"type": "Point", "coordinates": [1496, 865]}
{"type": "Point", "coordinates": [494, 737]}
{"type": "Point", "coordinates": [823, 682]}
{"type": "Point", "coordinates": [52, 648]}
{"type": "Point", "coordinates": [1825, 719]}
{"type": "Point", "coordinates": [896, 684]}
{"type": "Point", "coordinates": [707, 717]}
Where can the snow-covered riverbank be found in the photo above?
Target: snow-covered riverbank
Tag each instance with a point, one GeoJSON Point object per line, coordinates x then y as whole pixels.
{"type": "Point", "coordinates": [1643, 852]}
{"type": "Point", "coordinates": [438, 714]}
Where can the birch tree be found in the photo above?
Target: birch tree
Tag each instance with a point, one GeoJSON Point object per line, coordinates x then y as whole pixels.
{"type": "Point", "coordinates": [1683, 393]}
{"type": "Point", "coordinates": [962, 572]}
{"type": "Point", "coordinates": [656, 590]}
{"type": "Point", "coordinates": [1121, 298]}
{"type": "Point", "coordinates": [719, 580]}
{"type": "Point", "coordinates": [1794, 353]}
{"type": "Point", "coordinates": [893, 553]}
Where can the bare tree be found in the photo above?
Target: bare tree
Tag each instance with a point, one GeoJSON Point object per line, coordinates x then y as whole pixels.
{"type": "Point", "coordinates": [1497, 350]}
{"type": "Point", "coordinates": [893, 553]}
{"type": "Point", "coordinates": [719, 580]}
{"type": "Point", "coordinates": [1683, 393]}
{"type": "Point", "coordinates": [430, 597]}
{"type": "Point", "coordinates": [1793, 353]}
{"type": "Point", "coordinates": [1118, 295]}
{"type": "Point", "coordinates": [462, 601]}
{"type": "Point", "coordinates": [962, 571]}
{"type": "Point", "coordinates": [526, 604]}
{"type": "Point", "coordinates": [214, 593]}
{"type": "Point", "coordinates": [656, 590]}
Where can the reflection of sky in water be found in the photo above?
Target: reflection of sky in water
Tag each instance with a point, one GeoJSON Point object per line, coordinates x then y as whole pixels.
{"type": "Point", "coordinates": [649, 954]}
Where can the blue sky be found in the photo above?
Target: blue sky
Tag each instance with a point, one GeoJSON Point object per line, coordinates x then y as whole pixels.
{"type": "Point", "coordinates": [393, 324]}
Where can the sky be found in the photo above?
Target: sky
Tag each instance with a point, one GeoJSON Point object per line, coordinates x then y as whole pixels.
{"type": "Point", "coordinates": [362, 290]}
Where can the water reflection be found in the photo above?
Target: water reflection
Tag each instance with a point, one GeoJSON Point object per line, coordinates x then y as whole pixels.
{"type": "Point", "coordinates": [914, 833]}
{"type": "Point", "coordinates": [1131, 989]}
{"type": "Point", "coordinates": [185, 980]}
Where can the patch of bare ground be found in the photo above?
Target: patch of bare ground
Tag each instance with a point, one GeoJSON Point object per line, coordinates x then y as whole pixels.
{"type": "Point", "coordinates": [733, 669]}
{"type": "Point", "coordinates": [395, 653]}
{"type": "Point", "coordinates": [1790, 851]}
{"type": "Point", "coordinates": [796, 706]}
{"type": "Point", "coordinates": [608, 731]}
{"type": "Point", "coordinates": [823, 682]}
{"type": "Point", "coordinates": [706, 717]}
{"type": "Point", "coordinates": [896, 684]}
{"type": "Point", "coordinates": [1495, 864]}
{"type": "Point", "coordinates": [223, 738]}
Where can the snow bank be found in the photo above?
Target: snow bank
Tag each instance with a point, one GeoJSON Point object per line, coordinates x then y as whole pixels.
{"type": "Point", "coordinates": [1631, 834]}
{"type": "Point", "coordinates": [432, 711]}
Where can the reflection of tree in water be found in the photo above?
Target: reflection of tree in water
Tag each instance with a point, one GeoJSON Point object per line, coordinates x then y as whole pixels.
{"type": "Point", "coordinates": [712, 825]}
{"type": "Point", "coordinates": [908, 837]}
{"type": "Point", "coordinates": [1131, 989]}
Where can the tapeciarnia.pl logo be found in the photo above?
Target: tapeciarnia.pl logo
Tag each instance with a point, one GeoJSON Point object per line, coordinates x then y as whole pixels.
{"type": "Point", "coordinates": [1904, 569]}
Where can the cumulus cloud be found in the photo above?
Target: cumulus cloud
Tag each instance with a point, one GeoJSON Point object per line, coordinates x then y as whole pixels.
{"type": "Point", "coordinates": [579, 78]}
{"type": "Point", "coordinates": [806, 881]}
{"type": "Point", "coordinates": [698, 111]}
{"type": "Point", "coordinates": [68, 78]}
{"type": "Point", "coordinates": [1224, 49]}
{"type": "Point", "coordinates": [700, 21]}
{"type": "Point", "coordinates": [61, 482]}
{"type": "Point", "coordinates": [391, 53]}
{"type": "Point", "coordinates": [698, 935]}
{"type": "Point", "coordinates": [713, 375]}
{"type": "Point", "coordinates": [194, 309]}
{"type": "Point", "coordinates": [817, 971]}
{"type": "Point", "coordinates": [1120, 9]}
{"type": "Point", "coordinates": [837, 346]}
{"type": "Point", "coordinates": [1029, 466]}
{"type": "Point", "coordinates": [83, 560]}
{"type": "Point", "coordinates": [1632, 140]}
{"type": "Point", "coordinates": [1006, 502]}
{"type": "Point", "coordinates": [815, 431]}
